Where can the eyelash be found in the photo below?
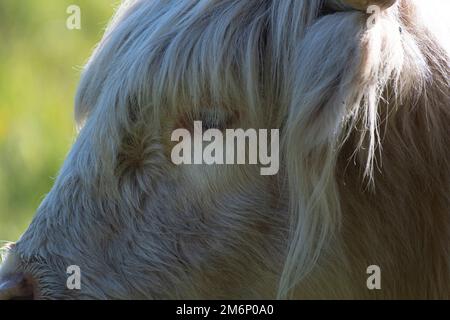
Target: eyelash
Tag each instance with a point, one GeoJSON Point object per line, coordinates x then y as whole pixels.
{"type": "Point", "coordinates": [210, 120]}
{"type": "Point", "coordinates": [209, 123]}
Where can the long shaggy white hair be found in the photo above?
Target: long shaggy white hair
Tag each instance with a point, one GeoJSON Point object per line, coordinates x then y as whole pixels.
{"type": "Point", "coordinates": [364, 114]}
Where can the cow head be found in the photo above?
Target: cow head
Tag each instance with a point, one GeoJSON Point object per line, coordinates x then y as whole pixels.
{"type": "Point", "coordinates": [139, 226]}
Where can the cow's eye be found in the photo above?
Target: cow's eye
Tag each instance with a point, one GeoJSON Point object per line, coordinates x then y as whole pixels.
{"type": "Point", "coordinates": [211, 119]}
{"type": "Point", "coordinates": [218, 119]}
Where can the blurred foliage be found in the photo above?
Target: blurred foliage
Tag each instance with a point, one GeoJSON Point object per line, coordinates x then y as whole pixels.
{"type": "Point", "coordinates": [40, 63]}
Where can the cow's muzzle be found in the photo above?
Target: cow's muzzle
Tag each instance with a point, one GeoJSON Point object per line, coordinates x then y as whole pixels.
{"type": "Point", "coordinates": [14, 284]}
{"type": "Point", "coordinates": [16, 287]}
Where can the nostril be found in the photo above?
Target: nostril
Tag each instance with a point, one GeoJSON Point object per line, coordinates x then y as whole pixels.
{"type": "Point", "coordinates": [16, 287]}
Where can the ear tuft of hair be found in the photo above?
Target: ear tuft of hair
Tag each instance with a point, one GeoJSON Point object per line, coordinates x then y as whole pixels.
{"type": "Point", "coordinates": [344, 71]}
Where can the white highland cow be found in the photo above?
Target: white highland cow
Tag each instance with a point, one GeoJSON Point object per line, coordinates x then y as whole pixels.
{"type": "Point", "coordinates": [362, 103]}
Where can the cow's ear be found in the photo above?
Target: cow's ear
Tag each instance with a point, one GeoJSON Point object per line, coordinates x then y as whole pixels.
{"type": "Point", "coordinates": [341, 68]}
{"type": "Point", "coordinates": [323, 84]}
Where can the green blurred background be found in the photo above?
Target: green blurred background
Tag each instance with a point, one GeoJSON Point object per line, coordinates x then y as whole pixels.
{"type": "Point", "coordinates": [40, 63]}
